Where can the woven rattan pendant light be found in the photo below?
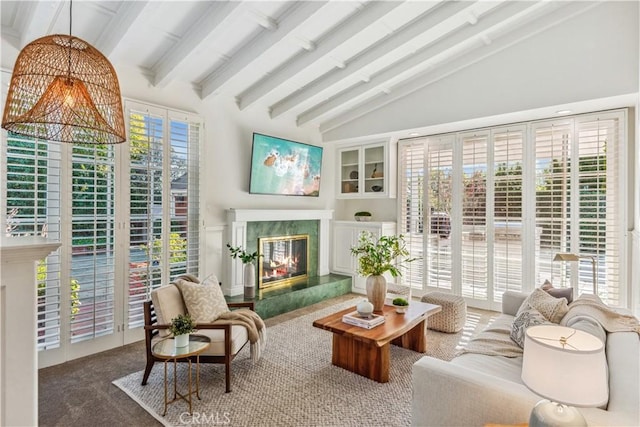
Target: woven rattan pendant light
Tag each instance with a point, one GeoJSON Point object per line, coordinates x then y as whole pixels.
{"type": "Point", "coordinates": [63, 89]}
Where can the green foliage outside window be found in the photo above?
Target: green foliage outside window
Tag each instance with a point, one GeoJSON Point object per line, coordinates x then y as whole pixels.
{"type": "Point", "coordinates": [177, 249]}
{"type": "Point", "coordinates": [41, 279]}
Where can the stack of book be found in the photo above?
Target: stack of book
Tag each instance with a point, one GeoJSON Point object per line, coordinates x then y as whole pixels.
{"type": "Point", "coordinates": [355, 319]}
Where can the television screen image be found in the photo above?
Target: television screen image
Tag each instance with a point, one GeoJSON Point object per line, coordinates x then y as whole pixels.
{"type": "Point", "coordinates": [283, 167]}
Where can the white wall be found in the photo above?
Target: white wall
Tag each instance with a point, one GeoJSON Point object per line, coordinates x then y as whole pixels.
{"type": "Point", "coordinates": [593, 55]}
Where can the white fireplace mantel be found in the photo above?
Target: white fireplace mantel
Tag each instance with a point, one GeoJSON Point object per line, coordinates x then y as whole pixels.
{"type": "Point", "coordinates": [238, 219]}
{"type": "Point", "coordinates": [18, 329]}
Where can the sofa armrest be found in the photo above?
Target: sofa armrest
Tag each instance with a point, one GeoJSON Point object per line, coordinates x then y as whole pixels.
{"type": "Point", "coordinates": [447, 394]}
{"type": "Point", "coordinates": [512, 300]}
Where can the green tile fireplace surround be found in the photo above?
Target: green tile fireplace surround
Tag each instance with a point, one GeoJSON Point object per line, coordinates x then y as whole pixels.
{"type": "Point", "coordinates": [272, 302]}
{"type": "Point", "coordinates": [281, 299]}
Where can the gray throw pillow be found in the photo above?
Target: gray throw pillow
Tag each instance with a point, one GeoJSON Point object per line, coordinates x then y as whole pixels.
{"type": "Point", "coordinates": [525, 318]}
{"type": "Point", "coordinates": [566, 293]}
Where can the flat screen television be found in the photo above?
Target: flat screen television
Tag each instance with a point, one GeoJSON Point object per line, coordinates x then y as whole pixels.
{"type": "Point", "coordinates": [283, 167]}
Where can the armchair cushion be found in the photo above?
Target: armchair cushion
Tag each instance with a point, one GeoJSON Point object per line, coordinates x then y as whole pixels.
{"type": "Point", "coordinates": [168, 305]}
{"type": "Point", "coordinates": [204, 302]}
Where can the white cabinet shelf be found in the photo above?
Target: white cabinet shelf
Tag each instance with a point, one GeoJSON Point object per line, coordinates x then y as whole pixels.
{"type": "Point", "coordinates": [366, 171]}
{"type": "Point", "coordinates": [345, 234]}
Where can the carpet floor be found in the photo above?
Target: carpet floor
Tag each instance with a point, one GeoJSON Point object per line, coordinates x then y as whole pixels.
{"type": "Point", "coordinates": [295, 384]}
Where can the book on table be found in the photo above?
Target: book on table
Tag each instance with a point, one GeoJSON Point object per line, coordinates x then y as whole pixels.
{"type": "Point", "coordinates": [369, 322]}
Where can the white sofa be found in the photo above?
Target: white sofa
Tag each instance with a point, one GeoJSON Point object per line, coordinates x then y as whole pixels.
{"type": "Point", "coordinates": [476, 389]}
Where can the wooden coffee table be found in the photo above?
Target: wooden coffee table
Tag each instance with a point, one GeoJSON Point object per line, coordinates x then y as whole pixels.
{"type": "Point", "coordinates": [367, 351]}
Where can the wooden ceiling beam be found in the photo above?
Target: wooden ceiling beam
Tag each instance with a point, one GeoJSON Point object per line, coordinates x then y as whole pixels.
{"type": "Point", "coordinates": [371, 13]}
{"type": "Point", "coordinates": [197, 35]}
{"type": "Point", "coordinates": [390, 43]}
{"type": "Point", "coordinates": [294, 18]}
{"type": "Point", "coordinates": [519, 28]}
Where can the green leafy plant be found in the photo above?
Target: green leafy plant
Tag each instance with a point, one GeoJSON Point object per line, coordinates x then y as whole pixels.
{"type": "Point", "coordinates": [379, 255]}
{"type": "Point", "coordinates": [362, 213]}
{"type": "Point", "coordinates": [246, 257]}
{"type": "Point", "coordinates": [400, 302]}
{"type": "Point", "coordinates": [183, 324]}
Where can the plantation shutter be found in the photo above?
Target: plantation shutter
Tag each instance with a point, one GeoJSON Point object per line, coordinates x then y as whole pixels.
{"type": "Point", "coordinates": [92, 290]}
{"type": "Point", "coordinates": [474, 265]}
{"type": "Point", "coordinates": [508, 226]}
{"type": "Point", "coordinates": [163, 201]}
{"type": "Point", "coordinates": [553, 142]}
{"type": "Point", "coordinates": [438, 213]}
{"type": "Point", "coordinates": [185, 189]}
{"type": "Point", "coordinates": [599, 209]}
{"type": "Point", "coordinates": [31, 204]}
{"type": "Point", "coordinates": [146, 132]}
{"type": "Point", "coordinates": [411, 225]}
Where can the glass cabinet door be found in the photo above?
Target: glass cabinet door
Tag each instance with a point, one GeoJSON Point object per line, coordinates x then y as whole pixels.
{"type": "Point", "coordinates": [374, 169]}
{"type": "Point", "coordinates": [350, 171]}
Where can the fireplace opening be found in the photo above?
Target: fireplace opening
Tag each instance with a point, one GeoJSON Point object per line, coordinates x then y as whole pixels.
{"type": "Point", "coordinates": [284, 260]}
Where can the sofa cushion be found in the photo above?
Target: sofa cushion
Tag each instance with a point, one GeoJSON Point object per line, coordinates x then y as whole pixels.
{"type": "Point", "coordinates": [168, 304]}
{"type": "Point", "coordinates": [523, 321]}
{"type": "Point", "coordinates": [553, 309]}
{"type": "Point", "coordinates": [508, 368]}
{"type": "Point", "coordinates": [204, 302]}
{"type": "Point", "coordinates": [588, 325]}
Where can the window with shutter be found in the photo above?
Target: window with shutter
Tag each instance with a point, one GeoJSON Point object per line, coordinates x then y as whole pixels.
{"type": "Point", "coordinates": [136, 202]}
{"type": "Point", "coordinates": [163, 201]}
{"type": "Point", "coordinates": [573, 202]}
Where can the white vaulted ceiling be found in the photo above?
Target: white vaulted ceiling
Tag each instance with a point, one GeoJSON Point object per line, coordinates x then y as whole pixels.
{"type": "Point", "coordinates": [312, 63]}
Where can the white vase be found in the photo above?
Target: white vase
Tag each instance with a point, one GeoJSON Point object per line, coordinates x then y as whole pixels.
{"type": "Point", "coordinates": [249, 276]}
{"type": "Point", "coordinates": [181, 340]}
{"type": "Point", "coordinates": [377, 291]}
{"type": "Point", "coordinates": [364, 308]}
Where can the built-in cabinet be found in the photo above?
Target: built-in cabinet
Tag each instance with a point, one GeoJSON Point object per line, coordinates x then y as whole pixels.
{"type": "Point", "coordinates": [366, 171]}
{"type": "Point", "coordinates": [345, 235]}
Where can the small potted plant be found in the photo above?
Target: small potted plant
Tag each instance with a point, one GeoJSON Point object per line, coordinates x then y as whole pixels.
{"type": "Point", "coordinates": [401, 305]}
{"type": "Point", "coordinates": [249, 272]}
{"type": "Point", "coordinates": [181, 327]}
{"type": "Point", "coordinates": [377, 256]}
{"type": "Point", "coordinates": [362, 216]}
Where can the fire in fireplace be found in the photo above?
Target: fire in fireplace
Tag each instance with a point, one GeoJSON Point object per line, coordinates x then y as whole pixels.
{"type": "Point", "coordinates": [284, 260]}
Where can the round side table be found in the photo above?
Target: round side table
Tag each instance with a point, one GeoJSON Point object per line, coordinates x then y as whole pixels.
{"type": "Point", "coordinates": [166, 350]}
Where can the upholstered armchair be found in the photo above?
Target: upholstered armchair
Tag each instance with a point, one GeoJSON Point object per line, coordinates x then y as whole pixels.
{"type": "Point", "coordinates": [167, 302]}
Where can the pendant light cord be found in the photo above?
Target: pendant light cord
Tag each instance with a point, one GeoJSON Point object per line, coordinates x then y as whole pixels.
{"type": "Point", "coordinates": [70, 23]}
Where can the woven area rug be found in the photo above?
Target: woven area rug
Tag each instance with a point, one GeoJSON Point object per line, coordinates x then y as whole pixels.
{"type": "Point", "coordinates": [295, 384]}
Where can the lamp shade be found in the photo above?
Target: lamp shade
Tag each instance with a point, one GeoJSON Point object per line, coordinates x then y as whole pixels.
{"type": "Point", "coordinates": [63, 89]}
{"type": "Point", "coordinates": [566, 256]}
{"type": "Point", "coordinates": [565, 365]}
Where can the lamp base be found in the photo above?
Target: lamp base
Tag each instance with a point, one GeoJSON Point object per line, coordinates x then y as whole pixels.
{"type": "Point", "coordinates": [548, 414]}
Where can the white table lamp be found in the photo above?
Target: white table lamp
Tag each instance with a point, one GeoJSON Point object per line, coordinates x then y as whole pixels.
{"type": "Point", "coordinates": [569, 368]}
